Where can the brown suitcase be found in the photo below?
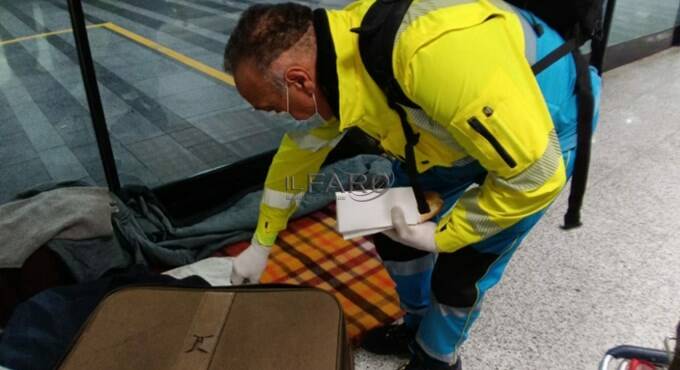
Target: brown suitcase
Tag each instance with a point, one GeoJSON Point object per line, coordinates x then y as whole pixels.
{"type": "Point", "coordinates": [259, 328]}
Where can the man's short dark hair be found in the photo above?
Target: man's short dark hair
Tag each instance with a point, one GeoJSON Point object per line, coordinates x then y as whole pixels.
{"type": "Point", "coordinates": [264, 32]}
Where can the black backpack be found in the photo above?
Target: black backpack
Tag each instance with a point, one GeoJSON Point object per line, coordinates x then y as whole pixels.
{"type": "Point", "coordinates": [576, 20]}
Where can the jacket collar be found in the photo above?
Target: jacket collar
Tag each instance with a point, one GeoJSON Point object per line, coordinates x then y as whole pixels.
{"type": "Point", "coordinates": [348, 69]}
{"type": "Point", "coordinates": [327, 73]}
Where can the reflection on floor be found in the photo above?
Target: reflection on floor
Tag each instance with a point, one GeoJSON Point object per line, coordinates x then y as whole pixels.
{"type": "Point", "coordinates": [167, 120]}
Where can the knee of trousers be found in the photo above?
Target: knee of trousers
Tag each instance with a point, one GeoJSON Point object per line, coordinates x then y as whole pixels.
{"type": "Point", "coordinates": [455, 276]}
{"type": "Point", "coordinates": [389, 250]}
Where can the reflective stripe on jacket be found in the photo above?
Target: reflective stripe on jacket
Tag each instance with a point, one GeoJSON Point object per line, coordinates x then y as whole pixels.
{"type": "Point", "coordinates": [467, 65]}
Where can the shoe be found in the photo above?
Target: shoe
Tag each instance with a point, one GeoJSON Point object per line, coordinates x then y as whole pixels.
{"type": "Point", "coordinates": [389, 340]}
{"type": "Point", "coordinates": [421, 361]}
{"type": "Point", "coordinates": [419, 366]}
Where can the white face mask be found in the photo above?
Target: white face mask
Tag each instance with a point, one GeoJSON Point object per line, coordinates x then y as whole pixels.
{"type": "Point", "coordinates": [315, 120]}
{"type": "Point", "coordinates": [278, 115]}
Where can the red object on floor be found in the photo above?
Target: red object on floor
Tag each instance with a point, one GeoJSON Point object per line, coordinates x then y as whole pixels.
{"type": "Point", "coordinates": [312, 253]}
{"type": "Point", "coordinates": [636, 364]}
{"type": "Point", "coordinates": [232, 250]}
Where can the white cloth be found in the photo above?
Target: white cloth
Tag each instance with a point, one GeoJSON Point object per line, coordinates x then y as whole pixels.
{"type": "Point", "coordinates": [215, 270]}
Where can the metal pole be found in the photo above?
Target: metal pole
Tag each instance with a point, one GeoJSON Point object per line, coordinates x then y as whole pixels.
{"type": "Point", "coordinates": [676, 33]}
{"type": "Point", "coordinates": [599, 45]}
{"type": "Point", "coordinates": [94, 100]}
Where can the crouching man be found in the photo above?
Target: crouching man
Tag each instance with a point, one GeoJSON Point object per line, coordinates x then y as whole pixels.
{"type": "Point", "coordinates": [495, 141]}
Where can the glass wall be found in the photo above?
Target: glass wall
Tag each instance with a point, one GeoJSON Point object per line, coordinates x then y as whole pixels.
{"type": "Point", "coordinates": [634, 18]}
{"type": "Point", "coordinates": [44, 120]}
{"type": "Point", "coordinates": [171, 110]}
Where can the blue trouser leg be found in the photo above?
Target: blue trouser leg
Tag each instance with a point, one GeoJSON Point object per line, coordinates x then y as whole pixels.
{"type": "Point", "coordinates": [442, 294]}
{"type": "Point", "coordinates": [412, 278]}
{"type": "Point", "coordinates": [411, 269]}
{"type": "Point", "coordinates": [459, 283]}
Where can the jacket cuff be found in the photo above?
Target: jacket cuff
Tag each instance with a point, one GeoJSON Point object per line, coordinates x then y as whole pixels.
{"type": "Point", "coordinates": [264, 239]}
{"type": "Point", "coordinates": [444, 242]}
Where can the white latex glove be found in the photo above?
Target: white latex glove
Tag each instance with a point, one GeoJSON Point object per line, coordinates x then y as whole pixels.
{"type": "Point", "coordinates": [420, 236]}
{"type": "Point", "coordinates": [249, 265]}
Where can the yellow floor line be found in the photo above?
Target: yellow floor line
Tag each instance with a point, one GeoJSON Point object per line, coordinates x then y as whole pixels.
{"type": "Point", "coordinates": [193, 63]}
{"type": "Point", "coordinates": [46, 34]}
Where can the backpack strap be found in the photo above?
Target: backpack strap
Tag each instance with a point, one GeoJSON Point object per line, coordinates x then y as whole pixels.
{"type": "Point", "coordinates": [554, 56]}
{"type": "Point", "coordinates": [377, 34]}
{"type": "Point", "coordinates": [410, 157]}
{"type": "Point", "coordinates": [586, 111]}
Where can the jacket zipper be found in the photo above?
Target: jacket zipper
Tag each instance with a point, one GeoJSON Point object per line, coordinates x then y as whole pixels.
{"type": "Point", "coordinates": [479, 127]}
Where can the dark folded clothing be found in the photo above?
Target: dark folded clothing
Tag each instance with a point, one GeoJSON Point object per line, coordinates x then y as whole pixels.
{"type": "Point", "coordinates": [40, 331]}
{"type": "Point", "coordinates": [42, 270]}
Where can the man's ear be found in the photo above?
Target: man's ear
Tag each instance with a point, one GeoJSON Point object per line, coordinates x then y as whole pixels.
{"type": "Point", "coordinates": [300, 78]}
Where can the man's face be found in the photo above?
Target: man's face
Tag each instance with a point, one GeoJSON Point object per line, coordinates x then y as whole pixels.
{"type": "Point", "coordinates": [256, 90]}
{"type": "Point", "coordinates": [262, 95]}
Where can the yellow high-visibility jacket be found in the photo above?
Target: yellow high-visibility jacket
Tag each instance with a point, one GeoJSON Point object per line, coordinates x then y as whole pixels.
{"type": "Point", "coordinates": [463, 62]}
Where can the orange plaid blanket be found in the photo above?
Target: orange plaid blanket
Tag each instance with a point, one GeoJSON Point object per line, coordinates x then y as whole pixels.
{"type": "Point", "coordinates": [312, 253]}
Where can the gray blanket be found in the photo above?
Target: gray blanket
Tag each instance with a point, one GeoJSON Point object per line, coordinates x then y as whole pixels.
{"type": "Point", "coordinates": [74, 213]}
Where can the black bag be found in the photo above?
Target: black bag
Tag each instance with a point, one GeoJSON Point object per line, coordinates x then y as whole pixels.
{"type": "Point", "coordinates": [579, 19]}
{"type": "Point", "coordinates": [576, 20]}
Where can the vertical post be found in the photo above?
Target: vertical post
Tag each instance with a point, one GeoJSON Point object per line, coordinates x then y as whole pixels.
{"type": "Point", "coordinates": [94, 100]}
{"type": "Point", "coordinates": [676, 32]}
{"type": "Point", "coordinates": [599, 46]}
